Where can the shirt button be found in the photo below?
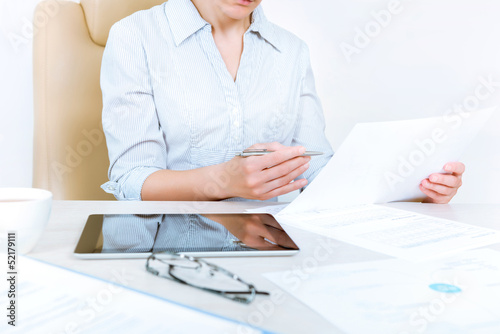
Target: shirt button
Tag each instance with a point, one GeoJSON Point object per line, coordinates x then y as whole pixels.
{"type": "Point", "coordinates": [236, 123]}
{"type": "Point", "coordinates": [111, 188]}
{"type": "Point", "coordinates": [235, 110]}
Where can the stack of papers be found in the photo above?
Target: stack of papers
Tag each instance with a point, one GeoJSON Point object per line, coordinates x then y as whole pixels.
{"type": "Point", "coordinates": [379, 163]}
{"type": "Point", "coordinates": [457, 295]}
{"type": "Point", "coordinates": [403, 234]}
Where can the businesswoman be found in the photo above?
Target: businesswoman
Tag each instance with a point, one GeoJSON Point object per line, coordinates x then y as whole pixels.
{"type": "Point", "coordinates": [188, 84]}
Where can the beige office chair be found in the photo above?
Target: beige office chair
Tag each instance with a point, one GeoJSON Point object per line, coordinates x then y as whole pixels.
{"type": "Point", "coordinates": [70, 154]}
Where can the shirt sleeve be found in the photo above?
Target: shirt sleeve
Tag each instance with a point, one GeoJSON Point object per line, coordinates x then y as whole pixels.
{"type": "Point", "coordinates": [310, 128]}
{"type": "Point", "coordinates": [136, 146]}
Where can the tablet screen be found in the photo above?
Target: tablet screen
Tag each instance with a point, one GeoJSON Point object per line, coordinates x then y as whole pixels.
{"type": "Point", "coordinates": [210, 234]}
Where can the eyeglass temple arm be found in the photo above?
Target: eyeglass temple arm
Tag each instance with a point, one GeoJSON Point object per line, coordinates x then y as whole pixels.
{"type": "Point", "coordinates": [265, 293]}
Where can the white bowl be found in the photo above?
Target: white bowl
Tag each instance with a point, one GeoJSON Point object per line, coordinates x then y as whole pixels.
{"type": "Point", "coordinates": [26, 212]}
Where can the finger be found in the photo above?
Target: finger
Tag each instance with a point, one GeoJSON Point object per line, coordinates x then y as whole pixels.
{"type": "Point", "coordinates": [277, 157]}
{"type": "Point", "coordinates": [284, 168]}
{"type": "Point", "coordinates": [434, 196]}
{"type": "Point", "coordinates": [274, 247]}
{"type": "Point", "coordinates": [448, 180]}
{"type": "Point", "coordinates": [279, 237]}
{"type": "Point", "coordinates": [274, 236]}
{"type": "Point", "coordinates": [258, 238]}
{"type": "Point", "coordinates": [285, 189]}
{"type": "Point", "coordinates": [456, 168]}
{"type": "Point", "coordinates": [256, 242]}
{"type": "Point", "coordinates": [438, 188]}
{"type": "Point", "coordinates": [269, 220]}
{"type": "Point", "coordinates": [265, 234]}
{"type": "Point", "coordinates": [264, 245]}
{"type": "Point", "coordinates": [285, 179]}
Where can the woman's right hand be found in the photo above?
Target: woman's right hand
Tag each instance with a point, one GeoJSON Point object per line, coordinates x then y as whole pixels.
{"type": "Point", "coordinates": [259, 231]}
{"type": "Point", "coordinates": [266, 176]}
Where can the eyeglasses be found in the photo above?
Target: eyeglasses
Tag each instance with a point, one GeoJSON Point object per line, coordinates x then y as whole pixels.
{"type": "Point", "coordinates": [200, 274]}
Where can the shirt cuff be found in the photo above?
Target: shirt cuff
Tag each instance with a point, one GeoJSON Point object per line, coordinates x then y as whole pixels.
{"type": "Point", "coordinates": [129, 186]}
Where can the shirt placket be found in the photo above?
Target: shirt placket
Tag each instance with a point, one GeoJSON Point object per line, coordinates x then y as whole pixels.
{"type": "Point", "coordinates": [233, 101]}
{"type": "Point", "coordinates": [244, 81]}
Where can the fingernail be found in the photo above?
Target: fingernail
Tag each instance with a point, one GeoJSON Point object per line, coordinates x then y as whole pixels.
{"type": "Point", "coordinates": [433, 178]}
{"type": "Point", "coordinates": [306, 165]}
{"type": "Point", "coordinates": [447, 168]}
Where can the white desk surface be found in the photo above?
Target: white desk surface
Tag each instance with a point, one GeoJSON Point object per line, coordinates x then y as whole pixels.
{"type": "Point", "coordinates": [286, 316]}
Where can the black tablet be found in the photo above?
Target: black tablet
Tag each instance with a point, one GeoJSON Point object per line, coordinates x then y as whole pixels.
{"type": "Point", "coordinates": [206, 235]}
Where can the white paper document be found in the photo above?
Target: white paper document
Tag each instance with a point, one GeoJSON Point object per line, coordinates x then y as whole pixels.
{"type": "Point", "coordinates": [382, 162]}
{"type": "Point", "coordinates": [270, 209]}
{"type": "Point", "coordinates": [54, 300]}
{"type": "Point", "coordinates": [458, 295]}
{"type": "Point", "coordinates": [394, 232]}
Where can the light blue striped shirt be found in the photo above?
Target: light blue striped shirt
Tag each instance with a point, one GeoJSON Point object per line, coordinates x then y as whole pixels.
{"type": "Point", "coordinates": [169, 101]}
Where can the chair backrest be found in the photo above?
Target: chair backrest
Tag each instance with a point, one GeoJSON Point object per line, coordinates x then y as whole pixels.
{"type": "Point", "coordinates": [70, 154]}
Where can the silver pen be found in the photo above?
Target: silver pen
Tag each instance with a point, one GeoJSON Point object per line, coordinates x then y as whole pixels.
{"type": "Point", "coordinates": [255, 152]}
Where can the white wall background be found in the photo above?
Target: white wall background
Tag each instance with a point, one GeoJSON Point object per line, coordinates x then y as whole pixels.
{"type": "Point", "coordinates": [424, 61]}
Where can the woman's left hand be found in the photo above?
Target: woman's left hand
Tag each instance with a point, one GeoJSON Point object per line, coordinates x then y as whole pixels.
{"type": "Point", "coordinates": [440, 188]}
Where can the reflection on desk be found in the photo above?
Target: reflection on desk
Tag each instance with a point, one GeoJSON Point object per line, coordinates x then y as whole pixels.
{"type": "Point", "coordinates": [126, 233]}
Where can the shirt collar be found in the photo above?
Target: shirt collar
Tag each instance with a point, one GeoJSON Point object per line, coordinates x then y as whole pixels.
{"type": "Point", "coordinates": [183, 18]}
{"type": "Point", "coordinates": [263, 27]}
{"type": "Point", "coordinates": [184, 21]}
